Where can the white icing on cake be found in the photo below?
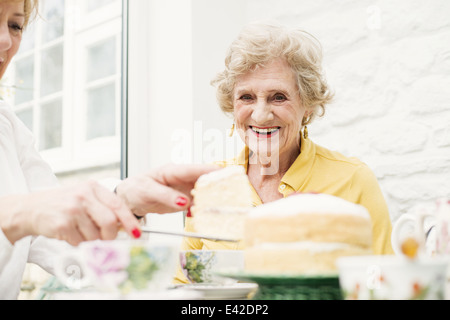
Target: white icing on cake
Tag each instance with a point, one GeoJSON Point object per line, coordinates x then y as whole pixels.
{"type": "Point", "coordinates": [315, 247]}
{"type": "Point", "coordinates": [309, 203]}
{"type": "Point", "coordinates": [220, 175]}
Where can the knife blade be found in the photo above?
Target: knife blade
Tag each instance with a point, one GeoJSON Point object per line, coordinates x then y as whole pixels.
{"type": "Point", "coordinates": [188, 235]}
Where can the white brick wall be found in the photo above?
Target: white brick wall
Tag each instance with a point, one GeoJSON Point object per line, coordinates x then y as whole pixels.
{"type": "Point", "coordinates": [389, 64]}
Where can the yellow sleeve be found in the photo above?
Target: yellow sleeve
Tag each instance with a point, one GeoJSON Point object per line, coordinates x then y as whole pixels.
{"type": "Point", "coordinates": [371, 197]}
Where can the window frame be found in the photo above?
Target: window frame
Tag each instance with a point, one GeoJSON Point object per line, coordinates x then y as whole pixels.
{"type": "Point", "coordinates": [124, 93]}
{"type": "Point", "coordinates": [80, 28]}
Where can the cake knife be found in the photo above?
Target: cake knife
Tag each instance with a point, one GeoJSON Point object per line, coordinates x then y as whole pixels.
{"type": "Point", "coordinates": [187, 235]}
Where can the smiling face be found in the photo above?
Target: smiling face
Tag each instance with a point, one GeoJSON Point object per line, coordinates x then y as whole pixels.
{"type": "Point", "coordinates": [12, 20]}
{"type": "Point", "coordinates": [268, 111]}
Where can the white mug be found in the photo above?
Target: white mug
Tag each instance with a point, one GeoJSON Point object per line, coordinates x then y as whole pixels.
{"type": "Point", "coordinates": [433, 239]}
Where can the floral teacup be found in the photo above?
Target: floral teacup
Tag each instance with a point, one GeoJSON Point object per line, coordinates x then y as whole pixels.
{"type": "Point", "coordinates": [205, 266]}
{"type": "Point", "coordinates": [392, 278]}
{"type": "Point", "coordinates": [122, 266]}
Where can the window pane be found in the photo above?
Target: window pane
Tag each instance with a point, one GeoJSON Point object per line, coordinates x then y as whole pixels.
{"type": "Point", "coordinates": [101, 60]}
{"type": "Point", "coordinates": [24, 80]}
{"type": "Point", "coordinates": [53, 13]}
{"type": "Point", "coordinates": [51, 125]}
{"type": "Point", "coordinates": [52, 70]}
{"type": "Point", "coordinates": [26, 116]}
{"type": "Point", "coordinates": [27, 39]}
{"type": "Point", "coordinates": [93, 5]}
{"type": "Point", "coordinates": [101, 112]}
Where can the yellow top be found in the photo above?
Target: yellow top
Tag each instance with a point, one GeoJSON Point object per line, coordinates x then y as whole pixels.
{"type": "Point", "coordinates": [322, 171]}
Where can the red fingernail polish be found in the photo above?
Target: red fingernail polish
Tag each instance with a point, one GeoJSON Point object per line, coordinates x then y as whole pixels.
{"type": "Point", "coordinates": [136, 233]}
{"type": "Point", "coordinates": [181, 201]}
{"type": "Point", "coordinates": [189, 214]}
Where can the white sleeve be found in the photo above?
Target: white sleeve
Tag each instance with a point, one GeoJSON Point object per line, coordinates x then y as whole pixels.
{"type": "Point", "coordinates": [37, 172]}
{"type": "Point", "coordinates": [6, 249]}
{"type": "Point", "coordinates": [31, 174]}
{"type": "Point", "coordinates": [21, 157]}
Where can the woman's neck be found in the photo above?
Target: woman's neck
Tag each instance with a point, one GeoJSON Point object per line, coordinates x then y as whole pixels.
{"type": "Point", "coordinates": [274, 167]}
{"type": "Point", "coordinates": [265, 175]}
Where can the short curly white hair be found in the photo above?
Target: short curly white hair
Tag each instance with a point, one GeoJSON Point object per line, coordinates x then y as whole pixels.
{"type": "Point", "coordinates": [261, 43]}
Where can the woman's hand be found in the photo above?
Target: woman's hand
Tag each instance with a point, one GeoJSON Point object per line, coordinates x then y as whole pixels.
{"type": "Point", "coordinates": [75, 214]}
{"type": "Point", "coordinates": [163, 190]}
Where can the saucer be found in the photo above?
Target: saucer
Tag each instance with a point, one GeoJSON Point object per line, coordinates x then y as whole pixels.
{"type": "Point", "coordinates": [223, 292]}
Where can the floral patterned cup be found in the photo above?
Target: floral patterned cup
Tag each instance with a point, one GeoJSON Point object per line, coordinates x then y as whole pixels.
{"type": "Point", "coordinates": [120, 266]}
{"type": "Point", "coordinates": [202, 266]}
{"type": "Point", "coordinates": [392, 278]}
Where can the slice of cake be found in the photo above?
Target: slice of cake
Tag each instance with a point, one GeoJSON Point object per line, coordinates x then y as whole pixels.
{"type": "Point", "coordinates": [222, 200]}
{"type": "Point", "coordinates": [305, 234]}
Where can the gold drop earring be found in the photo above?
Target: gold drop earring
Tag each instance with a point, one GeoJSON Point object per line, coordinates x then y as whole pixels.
{"type": "Point", "coordinates": [305, 127]}
{"type": "Point", "coordinates": [305, 132]}
{"type": "Point", "coordinates": [232, 130]}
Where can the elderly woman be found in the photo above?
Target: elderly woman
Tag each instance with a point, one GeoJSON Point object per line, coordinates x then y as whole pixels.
{"type": "Point", "coordinates": [273, 86]}
{"type": "Point", "coordinates": [32, 206]}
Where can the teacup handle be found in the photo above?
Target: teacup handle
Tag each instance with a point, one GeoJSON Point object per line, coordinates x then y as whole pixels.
{"type": "Point", "coordinates": [71, 271]}
{"type": "Point", "coordinates": [417, 224]}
